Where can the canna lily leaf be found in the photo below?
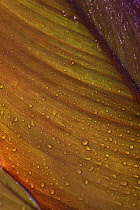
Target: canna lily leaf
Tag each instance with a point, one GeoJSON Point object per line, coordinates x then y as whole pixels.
{"type": "Point", "coordinates": [12, 196]}
{"type": "Point", "coordinates": [118, 22]}
{"type": "Point", "coordinates": [69, 123]}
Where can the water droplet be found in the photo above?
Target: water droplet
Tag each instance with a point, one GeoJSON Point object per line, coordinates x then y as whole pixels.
{"type": "Point", "coordinates": [110, 139]}
{"type": "Point", "coordinates": [124, 163]}
{"type": "Point", "coordinates": [84, 142]}
{"type": "Point", "coordinates": [3, 137]}
{"type": "Point", "coordinates": [29, 172]}
{"type": "Point", "coordinates": [107, 155]}
{"type": "Point", "coordinates": [88, 148]}
{"type": "Point", "coordinates": [64, 13]}
{"type": "Point", "coordinates": [13, 166]}
{"type": "Point", "coordinates": [76, 19]}
{"type": "Point", "coordinates": [15, 119]}
{"type": "Point", "coordinates": [32, 186]}
{"type": "Point", "coordinates": [78, 171]}
{"type": "Point", "coordinates": [1, 86]}
{"type": "Point", "coordinates": [49, 146]}
{"type": "Point", "coordinates": [80, 198]}
{"type": "Point", "coordinates": [123, 183]}
{"type": "Point", "coordinates": [86, 181]}
{"type": "Point", "coordinates": [30, 105]}
{"type": "Point", "coordinates": [90, 169]}
{"type": "Point", "coordinates": [66, 183]}
{"type": "Point", "coordinates": [14, 149]}
{"type": "Point", "coordinates": [109, 131]}
{"type": "Point", "coordinates": [42, 185]}
{"type": "Point", "coordinates": [52, 192]}
{"type": "Point", "coordinates": [131, 146]}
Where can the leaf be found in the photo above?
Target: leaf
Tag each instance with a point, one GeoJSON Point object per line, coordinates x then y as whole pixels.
{"type": "Point", "coordinates": [118, 22]}
{"type": "Point", "coordinates": [12, 196]}
{"type": "Point", "coordinates": [69, 123]}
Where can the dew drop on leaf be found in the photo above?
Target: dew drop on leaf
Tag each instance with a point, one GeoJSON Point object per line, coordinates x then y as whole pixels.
{"type": "Point", "coordinates": [84, 142]}
{"type": "Point", "coordinates": [52, 192]}
{"type": "Point", "coordinates": [131, 146]}
{"type": "Point", "coordinates": [123, 183]}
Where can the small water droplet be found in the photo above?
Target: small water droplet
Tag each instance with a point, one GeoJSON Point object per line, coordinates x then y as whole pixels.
{"type": "Point", "coordinates": [78, 171]}
{"type": "Point", "coordinates": [14, 149]}
{"type": "Point", "coordinates": [64, 13]}
{"type": "Point", "coordinates": [134, 204]}
{"type": "Point", "coordinates": [3, 137]}
{"type": "Point", "coordinates": [76, 19]}
{"type": "Point", "coordinates": [13, 166]}
{"type": "Point", "coordinates": [84, 142]}
{"type": "Point", "coordinates": [86, 181]}
{"type": "Point", "coordinates": [123, 183]}
{"type": "Point", "coordinates": [88, 148]}
{"type": "Point", "coordinates": [29, 172]}
{"type": "Point", "coordinates": [32, 186]}
{"type": "Point", "coordinates": [80, 198]}
{"type": "Point", "coordinates": [42, 185]}
{"type": "Point", "coordinates": [30, 105]}
{"type": "Point", "coordinates": [1, 86]}
{"type": "Point", "coordinates": [90, 169]}
{"type": "Point", "coordinates": [66, 183]}
{"type": "Point", "coordinates": [52, 192]}
{"type": "Point", "coordinates": [109, 131]}
{"type": "Point", "coordinates": [131, 146]}
{"type": "Point", "coordinates": [49, 146]}
{"type": "Point", "coordinates": [15, 119]}
{"type": "Point", "coordinates": [107, 155]}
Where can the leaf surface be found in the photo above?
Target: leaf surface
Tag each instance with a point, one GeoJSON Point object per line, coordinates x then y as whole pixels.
{"type": "Point", "coordinates": [119, 23]}
{"type": "Point", "coordinates": [69, 124]}
{"type": "Point", "coordinates": [12, 196]}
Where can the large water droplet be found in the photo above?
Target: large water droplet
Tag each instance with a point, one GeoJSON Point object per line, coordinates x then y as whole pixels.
{"type": "Point", "coordinates": [131, 146]}
{"type": "Point", "coordinates": [123, 183]}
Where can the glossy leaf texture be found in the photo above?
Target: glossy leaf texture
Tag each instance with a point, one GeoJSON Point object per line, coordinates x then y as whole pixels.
{"type": "Point", "coordinates": [119, 23]}
{"type": "Point", "coordinates": [12, 196]}
{"type": "Point", "coordinates": [69, 124]}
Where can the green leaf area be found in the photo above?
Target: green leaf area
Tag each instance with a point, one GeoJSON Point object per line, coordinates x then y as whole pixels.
{"type": "Point", "coordinates": [118, 22]}
{"type": "Point", "coordinates": [12, 196]}
{"type": "Point", "coordinates": [69, 125]}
